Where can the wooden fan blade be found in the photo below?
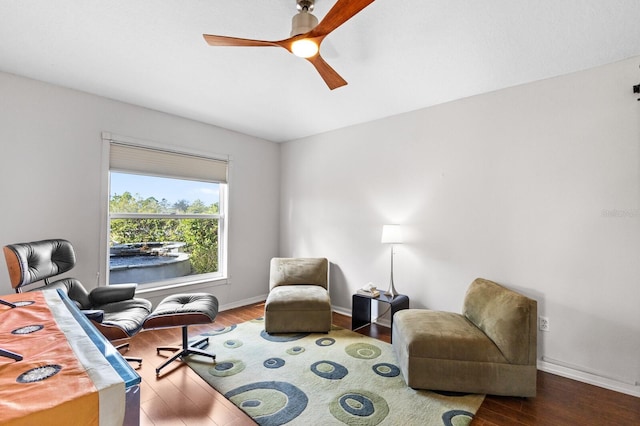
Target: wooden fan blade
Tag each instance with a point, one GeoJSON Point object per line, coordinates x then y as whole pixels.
{"type": "Point", "coordinates": [216, 40]}
{"type": "Point", "coordinates": [328, 74]}
{"type": "Point", "coordinates": [340, 13]}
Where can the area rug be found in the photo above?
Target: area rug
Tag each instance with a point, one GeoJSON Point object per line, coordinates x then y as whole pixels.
{"type": "Point", "coordinates": [340, 377]}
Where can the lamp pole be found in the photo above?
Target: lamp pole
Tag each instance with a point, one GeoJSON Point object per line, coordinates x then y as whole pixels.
{"type": "Point", "coordinates": [391, 234]}
{"type": "Point", "coordinates": [392, 289]}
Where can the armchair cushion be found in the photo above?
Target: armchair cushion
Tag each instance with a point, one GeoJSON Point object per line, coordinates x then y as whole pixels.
{"type": "Point", "coordinates": [296, 271]}
{"type": "Point", "coordinates": [298, 298]}
{"type": "Point", "coordinates": [504, 316]}
{"type": "Point", "coordinates": [31, 262]}
{"type": "Point", "coordinates": [74, 289]}
{"type": "Point", "coordinates": [447, 335]}
{"type": "Point", "coordinates": [124, 318]}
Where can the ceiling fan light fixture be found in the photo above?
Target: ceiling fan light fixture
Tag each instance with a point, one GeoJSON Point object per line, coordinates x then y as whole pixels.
{"type": "Point", "coordinates": [304, 48]}
{"type": "Point", "coordinates": [306, 35]}
{"type": "Point", "coordinates": [303, 22]}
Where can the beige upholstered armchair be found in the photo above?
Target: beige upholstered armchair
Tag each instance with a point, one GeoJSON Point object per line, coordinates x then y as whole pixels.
{"type": "Point", "coordinates": [489, 348]}
{"type": "Point", "coordinates": [298, 299]}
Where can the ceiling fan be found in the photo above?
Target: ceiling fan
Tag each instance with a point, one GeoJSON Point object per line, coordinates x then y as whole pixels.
{"type": "Point", "coordinates": [306, 35]}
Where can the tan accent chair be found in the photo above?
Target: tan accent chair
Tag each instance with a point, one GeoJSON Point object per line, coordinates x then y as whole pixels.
{"type": "Point", "coordinates": [298, 299]}
{"type": "Point", "coordinates": [489, 349]}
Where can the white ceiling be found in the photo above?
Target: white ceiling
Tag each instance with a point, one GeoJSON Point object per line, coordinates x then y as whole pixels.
{"type": "Point", "coordinates": [397, 55]}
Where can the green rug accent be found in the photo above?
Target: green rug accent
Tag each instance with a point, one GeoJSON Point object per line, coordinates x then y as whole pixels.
{"type": "Point", "coordinates": [308, 379]}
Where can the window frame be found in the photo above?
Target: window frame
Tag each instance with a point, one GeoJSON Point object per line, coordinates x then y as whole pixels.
{"type": "Point", "coordinates": [196, 281]}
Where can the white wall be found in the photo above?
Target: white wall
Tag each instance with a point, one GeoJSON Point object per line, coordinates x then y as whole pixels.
{"type": "Point", "coordinates": [514, 186]}
{"type": "Point", "coordinates": [50, 178]}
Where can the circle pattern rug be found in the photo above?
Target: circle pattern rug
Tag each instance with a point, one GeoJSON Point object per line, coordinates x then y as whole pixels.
{"type": "Point", "coordinates": [340, 377]}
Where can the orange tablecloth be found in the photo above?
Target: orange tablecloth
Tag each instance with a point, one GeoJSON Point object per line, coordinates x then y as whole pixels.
{"type": "Point", "coordinates": [52, 343]}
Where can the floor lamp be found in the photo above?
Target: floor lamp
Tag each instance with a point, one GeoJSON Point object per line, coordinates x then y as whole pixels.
{"type": "Point", "coordinates": [391, 234]}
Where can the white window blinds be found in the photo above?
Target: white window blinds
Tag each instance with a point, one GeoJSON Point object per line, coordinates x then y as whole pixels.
{"type": "Point", "coordinates": [157, 162]}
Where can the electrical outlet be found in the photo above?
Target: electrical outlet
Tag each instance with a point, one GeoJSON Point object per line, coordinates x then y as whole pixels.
{"type": "Point", "coordinates": [543, 323]}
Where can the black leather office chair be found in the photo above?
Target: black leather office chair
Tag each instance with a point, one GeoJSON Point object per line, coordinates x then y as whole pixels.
{"type": "Point", "coordinates": [113, 310]}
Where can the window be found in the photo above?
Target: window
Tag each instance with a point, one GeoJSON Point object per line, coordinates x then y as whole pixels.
{"type": "Point", "coordinates": [166, 216]}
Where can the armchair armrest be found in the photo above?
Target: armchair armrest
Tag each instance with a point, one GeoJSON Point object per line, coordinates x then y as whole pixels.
{"type": "Point", "coordinates": [115, 293]}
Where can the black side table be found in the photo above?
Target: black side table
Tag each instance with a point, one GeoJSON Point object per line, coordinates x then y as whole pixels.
{"type": "Point", "coordinates": [361, 308]}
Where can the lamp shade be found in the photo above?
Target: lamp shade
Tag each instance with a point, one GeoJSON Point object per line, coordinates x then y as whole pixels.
{"type": "Point", "coordinates": [391, 234]}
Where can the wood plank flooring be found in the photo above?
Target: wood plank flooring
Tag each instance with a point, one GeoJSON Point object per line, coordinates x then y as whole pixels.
{"type": "Point", "coordinates": [180, 397]}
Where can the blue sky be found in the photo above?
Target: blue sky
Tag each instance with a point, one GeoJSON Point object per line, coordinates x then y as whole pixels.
{"type": "Point", "coordinates": [171, 189]}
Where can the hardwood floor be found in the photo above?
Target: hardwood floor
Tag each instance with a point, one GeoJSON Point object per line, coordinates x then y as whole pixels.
{"type": "Point", "coordinates": [180, 397]}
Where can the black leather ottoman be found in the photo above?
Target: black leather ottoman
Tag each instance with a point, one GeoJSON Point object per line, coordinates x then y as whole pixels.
{"type": "Point", "coordinates": [183, 310]}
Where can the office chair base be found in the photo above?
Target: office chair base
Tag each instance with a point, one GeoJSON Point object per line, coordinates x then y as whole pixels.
{"type": "Point", "coordinates": [185, 350]}
{"type": "Point", "coordinates": [129, 358]}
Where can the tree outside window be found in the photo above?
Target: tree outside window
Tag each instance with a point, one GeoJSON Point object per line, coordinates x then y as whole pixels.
{"type": "Point", "coordinates": [158, 221]}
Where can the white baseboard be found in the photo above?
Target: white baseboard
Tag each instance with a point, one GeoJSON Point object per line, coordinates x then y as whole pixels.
{"type": "Point", "coordinates": [342, 311]}
{"type": "Point", "coordinates": [244, 302]}
{"type": "Point", "coordinates": [574, 373]}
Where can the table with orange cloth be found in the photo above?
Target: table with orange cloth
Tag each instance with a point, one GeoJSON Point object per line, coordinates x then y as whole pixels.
{"type": "Point", "coordinates": [64, 377]}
